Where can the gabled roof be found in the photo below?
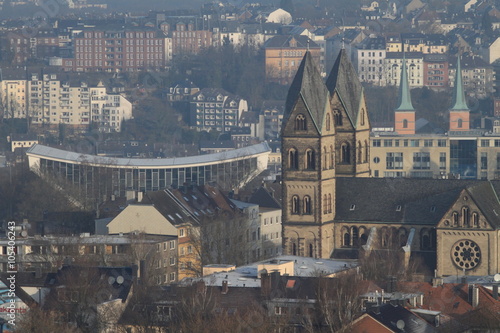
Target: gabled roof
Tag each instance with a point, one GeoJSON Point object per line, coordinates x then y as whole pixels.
{"type": "Point", "coordinates": [486, 199]}
{"type": "Point", "coordinates": [420, 201]}
{"type": "Point", "coordinates": [309, 86]}
{"type": "Point", "coordinates": [343, 79]}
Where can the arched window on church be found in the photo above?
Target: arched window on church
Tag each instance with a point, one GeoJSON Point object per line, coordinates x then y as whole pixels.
{"type": "Point", "coordinates": [346, 153]}
{"type": "Point", "coordinates": [362, 117]}
{"type": "Point", "coordinates": [293, 159]}
{"type": "Point", "coordinates": [405, 123]}
{"type": "Point", "coordinates": [346, 237]}
{"type": "Point", "coordinates": [327, 120]}
{"type": "Point", "coordinates": [367, 149]}
{"type": "Point", "coordinates": [360, 153]}
{"type": "Point", "coordinates": [337, 117]}
{"type": "Point", "coordinates": [465, 217]}
{"type": "Point", "coordinates": [384, 237]}
{"type": "Point", "coordinates": [294, 249]}
{"type": "Point", "coordinates": [475, 220]}
{"type": "Point", "coordinates": [300, 123]}
{"type": "Point", "coordinates": [325, 204]}
{"type": "Point", "coordinates": [310, 159]}
{"type": "Point", "coordinates": [307, 205]}
{"type": "Point", "coordinates": [459, 123]}
{"type": "Point", "coordinates": [332, 157]}
{"type": "Point", "coordinates": [455, 219]}
{"type": "Point", "coordinates": [311, 251]}
{"type": "Point", "coordinates": [329, 202]}
{"type": "Point", "coordinates": [295, 204]}
{"type": "Point", "coordinates": [325, 158]}
{"type": "Point", "coordinates": [355, 236]}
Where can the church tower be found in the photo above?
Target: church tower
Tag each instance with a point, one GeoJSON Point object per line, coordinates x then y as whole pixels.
{"type": "Point", "coordinates": [347, 101]}
{"type": "Point", "coordinates": [404, 117]}
{"type": "Point", "coordinates": [459, 112]}
{"type": "Point", "coordinates": [308, 148]}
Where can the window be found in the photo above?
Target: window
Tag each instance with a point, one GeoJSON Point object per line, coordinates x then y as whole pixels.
{"type": "Point", "coordinates": [172, 276]}
{"type": "Point", "coordinates": [484, 161]}
{"type": "Point", "coordinates": [310, 160]}
{"type": "Point", "coordinates": [295, 204]}
{"type": "Point", "coordinates": [327, 121]}
{"type": "Point", "coordinates": [293, 160]}
{"type": "Point", "coordinates": [172, 245]}
{"type": "Point", "coordinates": [376, 143]}
{"type": "Point", "coordinates": [497, 143]}
{"type": "Point", "coordinates": [405, 123]}
{"type": "Point", "coordinates": [498, 161]}
{"type": "Point", "coordinates": [459, 123]}
{"type": "Point", "coordinates": [387, 143]}
{"type": "Point", "coordinates": [421, 161]}
{"type": "Point", "coordinates": [300, 123]}
{"type": "Point", "coordinates": [307, 204]}
{"type": "Point", "coordinates": [181, 232]}
{"type": "Point", "coordinates": [485, 143]}
{"type": "Point", "coordinates": [414, 143]}
{"type": "Point", "coordinates": [428, 143]}
{"type": "Point", "coordinates": [442, 143]}
{"type": "Point", "coordinates": [442, 161]}
{"type": "Point", "coordinates": [337, 117]}
{"type": "Point", "coordinates": [172, 261]}
{"type": "Point", "coordinates": [190, 249]}
{"type": "Point", "coordinates": [394, 161]}
{"type": "Point", "coordinates": [346, 153]}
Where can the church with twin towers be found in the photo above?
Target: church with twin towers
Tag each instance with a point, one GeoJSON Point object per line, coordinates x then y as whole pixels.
{"type": "Point", "coordinates": [335, 207]}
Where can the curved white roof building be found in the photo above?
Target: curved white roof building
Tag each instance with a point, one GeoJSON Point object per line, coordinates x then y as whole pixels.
{"type": "Point", "coordinates": [117, 175]}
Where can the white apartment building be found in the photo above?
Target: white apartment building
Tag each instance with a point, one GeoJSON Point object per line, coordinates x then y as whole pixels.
{"type": "Point", "coordinates": [415, 68]}
{"type": "Point", "coordinates": [370, 56]}
{"type": "Point", "coordinates": [48, 101]}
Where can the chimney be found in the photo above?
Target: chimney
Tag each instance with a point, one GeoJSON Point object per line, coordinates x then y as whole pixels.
{"type": "Point", "coordinates": [474, 295]}
{"type": "Point", "coordinates": [495, 291]}
{"type": "Point", "coordinates": [225, 287]}
{"type": "Point", "coordinates": [265, 284]}
{"type": "Point", "coordinates": [201, 287]}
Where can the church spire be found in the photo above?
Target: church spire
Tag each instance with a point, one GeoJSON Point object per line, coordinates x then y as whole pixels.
{"type": "Point", "coordinates": [459, 103]}
{"type": "Point", "coordinates": [404, 102]}
{"type": "Point", "coordinates": [459, 112]}
{"type": "Point", "coordinates": [404, 117]}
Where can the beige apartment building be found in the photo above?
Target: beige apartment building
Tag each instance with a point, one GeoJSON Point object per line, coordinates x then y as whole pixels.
{"type": "Point", "coordinates": [48, 101]}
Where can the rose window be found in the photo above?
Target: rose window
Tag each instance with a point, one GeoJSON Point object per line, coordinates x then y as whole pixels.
{"type": "Point", "coordinates": [466, 254]}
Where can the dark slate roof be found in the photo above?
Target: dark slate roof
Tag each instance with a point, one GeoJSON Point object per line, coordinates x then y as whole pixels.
{"type": "Point", "coordinates": [421, 201]}
{"type": "Point", "coordinates": [485, 196]}
{"type": "Point", "coordinates": [309, 85]}
{"type": "Point", "coordinates": [344, 80]}
{"type": "Point", "coordinates": [394, 315]}
{"type": "Point", "coordinates": [263, 198]}
{"type": "Point", "coordinates": [284, 41]}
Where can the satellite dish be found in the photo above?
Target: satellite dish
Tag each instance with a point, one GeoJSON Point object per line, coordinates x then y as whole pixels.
{"type": "Point", "coordinates": [120, 279]}
{"type": "Point", "coordinates": [111, 280]}
{"type": "Point", "coordinates": [400, 324]}
{"type": "Point", "coordinates": [496, 277]}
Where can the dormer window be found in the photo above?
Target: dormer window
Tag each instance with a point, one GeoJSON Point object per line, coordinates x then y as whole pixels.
{"type": "Point", "coordinates": [353, 207]}
{"type": "Point", "coordinates": [398, 208]}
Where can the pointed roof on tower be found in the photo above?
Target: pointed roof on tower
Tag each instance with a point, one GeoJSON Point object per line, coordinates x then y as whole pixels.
{"type": "Point", "coordinates": [344, 80]}
{"type": "Point", "coordinates": [459, 102]}
{"type": "Point", "coordinates": [404, 100]}
{"type": "Point", "coordinates": [309, 85]}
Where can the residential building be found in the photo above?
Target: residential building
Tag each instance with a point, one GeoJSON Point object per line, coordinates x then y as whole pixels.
{"type": "Point", "coordinates": [436, 71]}
{"type": "Point", "coordinates": [370, 59]}
{"type": "Point", "coordinates": [48, 101]}
{"type": "Point", "coordinates": [116, 49]}
{"type": "Point", "coordinates": [216, 109]}
{"type": "Point", "coordinates": [393, 64]}
{"type": "Point", "coordinates": [283, 55]}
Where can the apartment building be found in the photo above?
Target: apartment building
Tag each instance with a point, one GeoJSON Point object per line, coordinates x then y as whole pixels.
{"type": "Point", "coordinates": [393, 64]}
{"type": "Point", "coordinates": [45, 100]}
{"type": "Point", "coordinates": [216, 109]}
{"type": "Point", "coordinates": [370, 55]}
{"type": "Point", "coordinates": [116, 49]}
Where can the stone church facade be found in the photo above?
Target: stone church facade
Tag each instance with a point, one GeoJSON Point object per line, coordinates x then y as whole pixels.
{"type": "Point", "coordinates": [331, 208]}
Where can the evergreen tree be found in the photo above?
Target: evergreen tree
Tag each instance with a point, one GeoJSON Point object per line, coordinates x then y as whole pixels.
{"type": "Point", "coordinates": [288, 6]}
